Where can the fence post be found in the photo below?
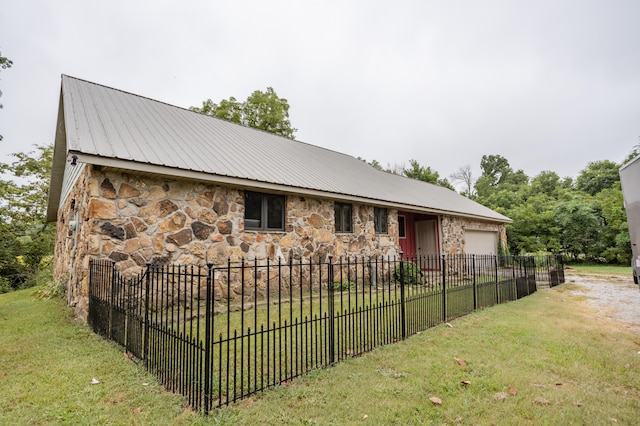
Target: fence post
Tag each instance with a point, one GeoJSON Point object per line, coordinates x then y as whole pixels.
{"type": "Point", "coordinates": [403, 321]}
{"type": "Point", "coordinates": [147, 293]}
{"type": "Point", "coordinates": [495, 265]}
{"type": "Point", "coordinates": [560, 262]}
{"type": "Point", "coordinates": [331, 313]}
{"type": "Point", "coordinates": [207, 342]}
{"type": "Point", "coordinates": [127, 313]}
{"type": "Point", "coordinates": [112, 298]}
{"type": "Point", "coordinates": [444, 291]}
{"type": "Point", "coordinates": [526, 275]}
{"type": "Point", "coordinates": [475, 288]}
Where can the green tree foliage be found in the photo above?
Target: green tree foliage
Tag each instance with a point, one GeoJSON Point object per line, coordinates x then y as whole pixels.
{"type": "Point", "coordinates": [579, 227]}
{"type": "Point", "coordinates": [498, 176]}
{"type": "Point", "coordinates": [25, 239]}
{"type": "Point", "coordinates": [262, 110]}
{"type": "Point", "coordinates": [425, 174]}
{"type": "Point", "coordinates": [584, 219]}
{"type": "Point", "coordinates": [4, 64]}
{"type": "Point", "coordinates": [614, 245]}
{"type": "Point", "coordinates": [598, 175]}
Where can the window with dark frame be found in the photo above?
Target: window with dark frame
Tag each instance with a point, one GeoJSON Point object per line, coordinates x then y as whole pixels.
{"type": "Point", "coordinates": [263, 212]}
{"type": "Point", "coordinates": [402, 233]}
{"type": "Point", "coordinates": [380, 220]}
{"type": "Point", "coordinates": [343, 217]}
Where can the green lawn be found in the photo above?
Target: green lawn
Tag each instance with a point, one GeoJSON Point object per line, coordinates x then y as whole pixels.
{"type": "Point", "coordinates": [48, 361]}
{"type": "Point", "coordinates": [584, 269]}
{"type": "Point", "coordinates": [545, 359]}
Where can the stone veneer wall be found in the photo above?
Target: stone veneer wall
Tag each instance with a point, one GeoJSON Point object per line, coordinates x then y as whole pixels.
{"type": "Point", "coordinates": [71, 264]}
{"type": "Point", "coordinates": [453, 241]}
{"type": "Point", "coordinates": [137, 219]}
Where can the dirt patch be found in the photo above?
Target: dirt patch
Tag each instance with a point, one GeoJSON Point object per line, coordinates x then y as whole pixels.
{"type": "Point", "coordinates": [613, 297]}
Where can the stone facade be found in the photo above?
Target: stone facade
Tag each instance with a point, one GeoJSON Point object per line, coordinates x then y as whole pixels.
{"type": "Point", "coordinates": [136, 219]}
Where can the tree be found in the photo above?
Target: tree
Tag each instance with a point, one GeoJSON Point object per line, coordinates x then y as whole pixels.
{"type": "Point", "coordinates": [498, 176]}
{"type": "Point", "coordinates": [4, 64]}
{"type": "Point", "coordinates": [614, 245]}
{"type": "Point", "coordinates": [495, 168]}
{"type": "Point", "coordinates": [262, 110]}
{"type": "Point", "coordinates": [598, 175]}
{"type": "Point", "coordinates": [464, 176]}
{"type": "Point", "coordinates": [546, 182]}
{"type": "Point", "coordinates": [24, 236]}
{"type": "Point", "coordinates": [425, 174]}
{"type": "Point", "coordinates": [579, 227]}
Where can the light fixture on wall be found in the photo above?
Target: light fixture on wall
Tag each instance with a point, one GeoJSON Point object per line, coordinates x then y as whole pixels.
{"type": "Point", "coordinates": [74, 160]}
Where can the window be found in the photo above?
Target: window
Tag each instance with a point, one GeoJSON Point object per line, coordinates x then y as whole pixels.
{"type": "Point", "coordinates": [263, 211]}
{"type": "Point", "coordinates": [402, 233]}
{"type": "Point", "coordinates": [343, 217]}
{"type": "Point", "coordinates": [380, 220]}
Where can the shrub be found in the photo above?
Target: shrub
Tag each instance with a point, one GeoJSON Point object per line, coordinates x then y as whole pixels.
{"type": "Point", "coordinates": [5, 285]}
{"type": "Point", "coordinates": [412, 273]}
{"type": "Point", "coordinates": [343, 285]}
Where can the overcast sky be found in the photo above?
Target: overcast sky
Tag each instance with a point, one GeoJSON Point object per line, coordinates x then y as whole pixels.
{"type": "Point", "coordinates": [550, 85]}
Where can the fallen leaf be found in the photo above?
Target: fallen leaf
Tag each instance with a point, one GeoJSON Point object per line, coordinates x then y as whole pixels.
{"type": "Point", "coordinates": [500, 395]}
{"type": "Point", "coordinates": [94, 381]}
{"type": "Point", "coordinates": [578, 404]}
{"type": "Point", "coordinates": [540, 401]}
{"type": "Point", "coordinates": [365, 417]}
{"type": "Point", "coordinates": [513, 391]}
{"type": "Point", "coordinates": [466, 382]}
{"type": "Point", "coordinates": [435, 400]}
{"type": "Point", "coordinates": [145, 384]}
{"type": "Point", "coordinates": [614, 420]}
{"type": "Point", "coordinates": [460, 361]}
{"type": "Point", "coordinates": [559, 385]}
{"type": "Point", "coordinates": [136, 411]}
{"type": "Point", "coordinates": [448, 325]}
{"type": "Point", "coordinates": [458, 420]}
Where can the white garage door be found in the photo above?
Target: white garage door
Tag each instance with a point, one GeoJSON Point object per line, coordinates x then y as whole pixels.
{"type": "Point", "coordinates": [480, 242]}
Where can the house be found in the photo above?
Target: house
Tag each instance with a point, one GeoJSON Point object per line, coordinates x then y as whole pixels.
{"type": "Point", "coordinates": [140, 181]}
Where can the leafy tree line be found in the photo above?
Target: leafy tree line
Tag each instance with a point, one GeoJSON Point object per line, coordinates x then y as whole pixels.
{"type": "Point", "coordinates": [26, 241]}
{"type": "Point", "coordinates": [584, 219]}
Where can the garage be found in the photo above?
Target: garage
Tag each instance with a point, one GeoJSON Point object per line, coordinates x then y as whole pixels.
{"type": "Point", "coordinates": [480, 242]}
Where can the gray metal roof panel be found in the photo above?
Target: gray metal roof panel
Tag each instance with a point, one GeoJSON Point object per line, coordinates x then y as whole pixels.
{"type": "Point", "coordinates": [110, 123]}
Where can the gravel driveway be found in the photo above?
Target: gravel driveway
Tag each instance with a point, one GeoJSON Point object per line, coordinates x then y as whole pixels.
{"type": "Point", "coordinates": [614, 297]}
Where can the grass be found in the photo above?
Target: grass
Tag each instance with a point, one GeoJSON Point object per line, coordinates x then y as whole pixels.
{"type": "Point", "coordinates": [585, 269]}
{"type": "Point", "coordinates": [565, 366]}
{"type": "Point", "coordinates": [48, 361]}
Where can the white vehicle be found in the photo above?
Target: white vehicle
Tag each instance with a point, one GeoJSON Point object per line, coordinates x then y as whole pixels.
{"type": "Point", "coordinates": [630, 178]}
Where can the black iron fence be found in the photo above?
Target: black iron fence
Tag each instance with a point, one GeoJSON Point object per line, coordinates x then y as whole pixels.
{"type": "Point", "coordinates": [222, 332]}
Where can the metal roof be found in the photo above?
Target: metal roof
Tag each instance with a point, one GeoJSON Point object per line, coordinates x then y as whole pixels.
{"type": "Point", "coordinates": [114, 128]}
